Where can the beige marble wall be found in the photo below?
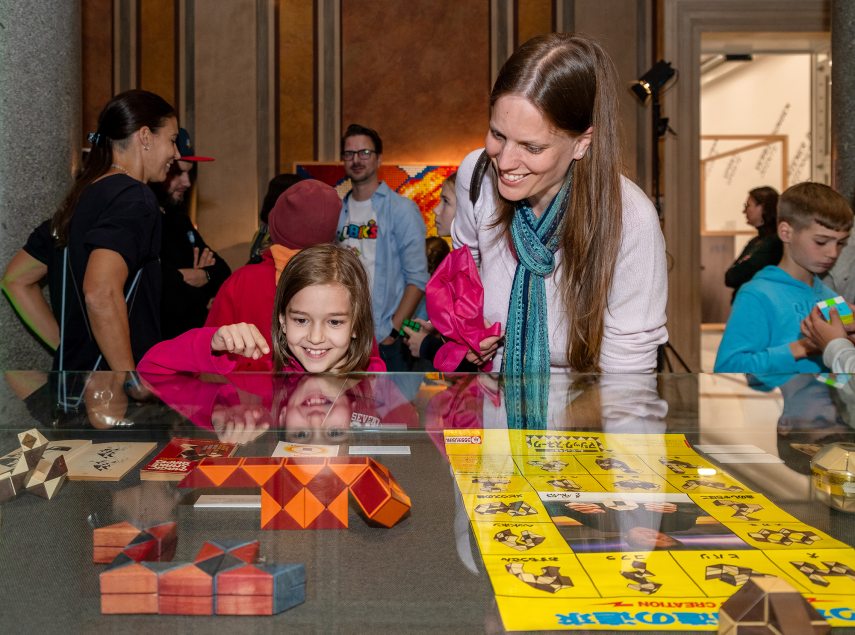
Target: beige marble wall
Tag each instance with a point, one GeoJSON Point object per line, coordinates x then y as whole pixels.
{"type": "Point", "coordinates": [296, 83]}
{"type": "Point", "coordinates": [157, 45]}
{"type": "Point", "coordinates": [418, 72]}
{"type": "Point", "coordinates": [226, 109]}
{"type": "Point", "coordinates": [614, 23]}
{"type": "Point", "coordinates": [97, 59]}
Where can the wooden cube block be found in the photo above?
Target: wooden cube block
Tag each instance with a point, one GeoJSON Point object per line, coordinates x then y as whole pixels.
{"type": "Point", "coordinates": [129, 604]}
{"type": "Point", "coordinates": [109, 541]}
{"type": "Point", "coordinates": [260, 589]}
{"type": "Point", "coordinates": [126, 576]}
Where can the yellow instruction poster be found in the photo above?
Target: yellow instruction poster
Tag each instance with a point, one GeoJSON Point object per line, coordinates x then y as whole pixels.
{"type": "Point", "coordinates": [604, 531]}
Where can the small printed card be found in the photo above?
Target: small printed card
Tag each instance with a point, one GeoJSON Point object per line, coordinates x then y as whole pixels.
{"type": "Point", "coordinates": [304, 449]}
{"type": "Point", "coordinates": [379, 449]}
{"type": "Point", "coordinates": [228, 501]}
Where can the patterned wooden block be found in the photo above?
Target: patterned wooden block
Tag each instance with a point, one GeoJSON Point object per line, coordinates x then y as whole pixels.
{"type": "Point", "coordinates": [244, 550]}
{"type": "Point", "coordinates": [185, 589]}
{"type": "Point", "coordinates": [108, 542]}
{"type": "Point", "coordinates": [129, 604]}
{"type": "Point", "coordinates": [124, 575]}
{"type": "Point", "coordinates": [770, 605]}
{"type": "Point", "coordinates": [48, 477]}
{"type": "Point", "coordinates": [260, 589]}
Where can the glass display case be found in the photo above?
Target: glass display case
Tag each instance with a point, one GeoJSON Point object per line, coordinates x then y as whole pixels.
{"type": "Point", "coordinates": [583, 502]}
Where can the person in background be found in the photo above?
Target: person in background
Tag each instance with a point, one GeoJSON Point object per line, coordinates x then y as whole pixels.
{"type": "Point", "coordinates": [261, 241]}
{"type": "Point", "coordinates": [101, 250]}
{"type": "Point", "coordinates": [437, 249]}
{"type": "Point", "coordinates": [387, 232]}
{"type": "Point", "coordinates": [304, 215]}
{"type": "Point", "coordinates": [446, 210]}
{"type": "Point", "coordinates": [761, 212]}
{"type": "Point", "coordinates": [192, 272]}
{"type": "Point", "coordinates": [763, 333]}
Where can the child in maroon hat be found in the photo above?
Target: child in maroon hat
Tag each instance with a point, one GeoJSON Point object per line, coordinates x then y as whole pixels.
{"type": "Point", "coordinates": [305, 214]}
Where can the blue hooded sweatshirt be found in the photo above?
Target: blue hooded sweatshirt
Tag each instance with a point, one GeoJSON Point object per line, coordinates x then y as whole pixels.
{"type": "Point", "coordinates": [765, 319]}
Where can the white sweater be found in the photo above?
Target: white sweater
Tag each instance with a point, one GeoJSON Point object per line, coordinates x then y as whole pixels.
{"type": "Point", "coordinates": [635, 318]}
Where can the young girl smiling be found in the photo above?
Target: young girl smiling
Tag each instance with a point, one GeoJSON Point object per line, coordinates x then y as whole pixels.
{"type": "Point", "coordinates": [322, 323]}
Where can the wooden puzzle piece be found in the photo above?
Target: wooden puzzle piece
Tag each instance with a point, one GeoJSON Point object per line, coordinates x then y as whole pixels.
{"type": "Point", "coordinates": [309, 492]}
{"type": "Point", "coordinates": [769, 605]}
{"type": "Point", "coordinates": [225, 577]}
{"type": "Point", "coordinates": [158, 542]}
{"type": "Point", "coordinates": [260, 589]}
{"type": "Point", "coordinates": [17, 471]}
{"type": "Point", "coordinates": [48, 476]}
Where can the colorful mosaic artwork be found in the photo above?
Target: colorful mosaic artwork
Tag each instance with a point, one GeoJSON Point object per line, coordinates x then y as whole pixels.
{"type": "Point", "coordinates": [421, 183]}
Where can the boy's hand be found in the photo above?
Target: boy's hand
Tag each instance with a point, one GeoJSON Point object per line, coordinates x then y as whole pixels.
{"type": "Point", "coordinates": [240, 339]}
{"type": "Point", "coordinates": [804, 347]}
{"type": "Point", "coordinates": [821, 332]}
{"type": "Point", "coordinates": [414, 339]}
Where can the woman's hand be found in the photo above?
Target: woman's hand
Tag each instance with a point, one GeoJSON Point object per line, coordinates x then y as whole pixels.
{"type": "Point", "coordinates": [240, 339]}
{"type": "Point", "coordinates": [815, 328]}
{"type": "Point", "coordinates": [414, 339]}
{"type": "Point", "coordinates": [488, 348]}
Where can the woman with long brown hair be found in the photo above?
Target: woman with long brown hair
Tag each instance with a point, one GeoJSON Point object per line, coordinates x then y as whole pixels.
{"type": "Point", "coordinates": [571, 255]}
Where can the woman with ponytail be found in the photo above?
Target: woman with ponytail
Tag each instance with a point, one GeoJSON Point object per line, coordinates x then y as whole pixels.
{"type": "Point", "coordinates": [570, 252]}
{"type": "Point", "coordinates": [100, 250]}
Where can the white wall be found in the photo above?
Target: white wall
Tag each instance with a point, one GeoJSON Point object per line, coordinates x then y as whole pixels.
{"type": "Point", "coordinates": [769, 95]}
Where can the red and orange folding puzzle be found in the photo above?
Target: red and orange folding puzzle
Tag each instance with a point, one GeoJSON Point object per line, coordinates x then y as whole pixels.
{"type": "Point", "coordinates": [308, 493]}
{"type": "Point", "coordinates": [225, 577]}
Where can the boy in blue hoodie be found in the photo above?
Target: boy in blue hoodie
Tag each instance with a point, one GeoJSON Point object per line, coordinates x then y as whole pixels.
{"type": "Point", "coordinates": [763, 333]}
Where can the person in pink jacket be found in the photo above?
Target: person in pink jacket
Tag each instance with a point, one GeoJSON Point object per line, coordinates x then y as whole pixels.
{"type": "Point", "coordinates": [322, 324]}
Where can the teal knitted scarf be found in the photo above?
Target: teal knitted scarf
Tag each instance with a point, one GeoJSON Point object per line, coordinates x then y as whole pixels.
{"type": "Point", "coordinates": [527, 336]}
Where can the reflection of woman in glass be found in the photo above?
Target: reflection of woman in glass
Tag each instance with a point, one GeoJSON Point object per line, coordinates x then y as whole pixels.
{"type": "Point", "coordinates": [761, 212]}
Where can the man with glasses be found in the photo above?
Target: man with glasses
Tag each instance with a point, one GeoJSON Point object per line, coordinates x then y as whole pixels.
{"type": "Point", "coordinates": [387, 232]}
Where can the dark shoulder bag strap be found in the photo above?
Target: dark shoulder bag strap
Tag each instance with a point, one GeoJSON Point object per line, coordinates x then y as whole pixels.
{"type": "Point", "coordinates": [481, 166]}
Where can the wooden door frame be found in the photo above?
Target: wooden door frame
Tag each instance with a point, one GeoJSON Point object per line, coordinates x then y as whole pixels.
{"type": "Point", "coordinates": [684, 21]}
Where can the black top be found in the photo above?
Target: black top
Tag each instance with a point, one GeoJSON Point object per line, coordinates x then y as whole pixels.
{"type": "Point", "coordinates": [116, 213]}
{"type": "Point", "coordinates": [761, 251]}
{"type": "Point", "coordinates": [183, 306]}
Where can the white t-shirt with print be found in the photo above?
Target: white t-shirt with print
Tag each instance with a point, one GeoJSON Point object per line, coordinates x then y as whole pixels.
{"type": "Point", "coordinates": [360, 234]}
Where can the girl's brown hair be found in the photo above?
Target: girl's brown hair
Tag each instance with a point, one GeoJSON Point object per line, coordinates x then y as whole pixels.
{"type": "Point", "coordinates": [571, 81]}
{"type": "Point", "coordinates": [123, 115]}
{"type": "Point", "coordinates": [326, 264]}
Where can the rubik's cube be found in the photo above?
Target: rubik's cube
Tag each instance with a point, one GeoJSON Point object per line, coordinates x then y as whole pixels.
{"type": "Point", "coordinates": [838, 303]}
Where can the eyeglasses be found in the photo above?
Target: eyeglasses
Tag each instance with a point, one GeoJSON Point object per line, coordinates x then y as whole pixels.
{"type": "Point", "coordinates": [365, 153]}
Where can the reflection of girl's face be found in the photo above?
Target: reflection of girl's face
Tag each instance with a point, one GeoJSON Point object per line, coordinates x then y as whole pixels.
{"type": "Point", "coordinates": [317, 411]}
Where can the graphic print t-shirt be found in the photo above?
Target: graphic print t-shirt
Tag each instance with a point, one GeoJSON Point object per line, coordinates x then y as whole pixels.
{"type": "Point", "coordinates": [360, 234]}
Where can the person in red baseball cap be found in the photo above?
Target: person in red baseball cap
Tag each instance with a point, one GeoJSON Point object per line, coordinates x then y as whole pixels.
{"type": "Point", "coordinates": [192, 271]}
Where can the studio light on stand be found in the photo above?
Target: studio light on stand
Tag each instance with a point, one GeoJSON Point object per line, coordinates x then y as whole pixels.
{"type": "Point", "coordinates": [648, 88]}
